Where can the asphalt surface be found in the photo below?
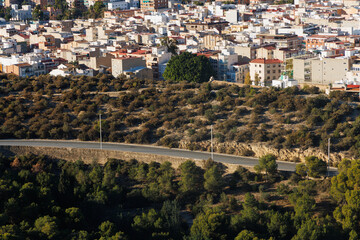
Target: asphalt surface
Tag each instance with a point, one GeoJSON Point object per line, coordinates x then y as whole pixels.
{"type": "Point", "coordinates": [196, 155]}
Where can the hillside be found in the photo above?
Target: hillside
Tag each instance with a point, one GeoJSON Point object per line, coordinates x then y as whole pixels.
{"type": "Point", "coordinates": [179, 114]}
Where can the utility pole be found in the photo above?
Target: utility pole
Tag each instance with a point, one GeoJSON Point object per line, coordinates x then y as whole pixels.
{"type": "Point", "coordinates": [212, 148]}
{"type": "Point", "coordinates": [100, 131]}
{"type": "Point", "coordinates": [328, 165]}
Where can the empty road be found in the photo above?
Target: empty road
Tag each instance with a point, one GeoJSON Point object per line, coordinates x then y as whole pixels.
{"type": "Point", "coordinates": [224, 158]}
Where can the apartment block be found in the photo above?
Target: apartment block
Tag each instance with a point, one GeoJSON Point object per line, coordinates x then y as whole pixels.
{"type": "Point", "coordinates": [122, 65]}
{"type": "Point", "coordinates": [320, 71]}
{"type": "Point", "coordinates": [266, 70]}
{"type": "Point", "coordinates": [153, 5]}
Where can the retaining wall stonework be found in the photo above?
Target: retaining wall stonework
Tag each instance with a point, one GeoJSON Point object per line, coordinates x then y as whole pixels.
{"type": "Point", "coordinates": [97, 155]}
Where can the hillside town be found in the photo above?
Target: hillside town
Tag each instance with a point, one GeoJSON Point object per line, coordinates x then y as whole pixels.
{"type": "Point", "coordinates": [257, 42]}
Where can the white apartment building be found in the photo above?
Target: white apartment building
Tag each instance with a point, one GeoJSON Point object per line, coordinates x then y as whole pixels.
{"type": "Point", "coordinates": [20, 14]}
{"type": "Point", "coordinates": [156, 18]}
{"type": "Point", "coordinates": [115, 5]}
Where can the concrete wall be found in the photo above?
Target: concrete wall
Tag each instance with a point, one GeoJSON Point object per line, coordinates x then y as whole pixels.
{"type": "Point", "coordinates": [96, 62]}
{"type": "Point", "coordinates": [299, 70]}
{"type": "Point", "coordinates": [89, 156]}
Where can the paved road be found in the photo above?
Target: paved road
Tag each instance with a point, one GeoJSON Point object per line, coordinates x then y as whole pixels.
{"type": "Point", "coordinates": [224, 158]}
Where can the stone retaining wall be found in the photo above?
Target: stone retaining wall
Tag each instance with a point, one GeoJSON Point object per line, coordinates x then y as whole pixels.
{"type": "Point", "coordinates": [96, 155]}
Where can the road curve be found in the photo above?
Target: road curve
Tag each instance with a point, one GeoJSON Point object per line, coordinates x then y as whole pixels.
{"type": "Point", "coordinates": [197, 155]}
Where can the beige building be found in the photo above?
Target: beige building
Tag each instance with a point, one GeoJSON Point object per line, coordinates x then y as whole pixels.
{"type": "Point", "coordinates": [320, 71]}
{"type": "Point", "coordinates": [265, 70]}
{"type": "Point", "coordinates": [265, 52]}
{"type": "Point", "coordinates": [270, 52]}
{"type": "Point", "coordinates": [7, 3]}
{"type": "Point", "coordinates": [201, 26]}
{"type": "Point", "coordinates": [98, 62]}
{"type": "Point", "coordinates": [290, 41]}
{"type": "Point", "coordinates": [36, 39]}
{"type": "Point", "coordinates": [245, 53]}
{"type": "Point", "coordinates": [235, 28]}
{"type": "Point", "coordinates": [241, 70]}
{"type": "Point", "coordinates": [329, 70]}
{"type": "Point", "coordinates": [351, 3]}
{"type": "Point", "coordinates": [210, 41]}
{"type": "Point", "coordinates": [130, 67]}
{"type": "Point", "coordinates": [302, 69]}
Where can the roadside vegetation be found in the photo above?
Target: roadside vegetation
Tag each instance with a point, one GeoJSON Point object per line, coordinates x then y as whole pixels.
{"type": "Point", "coordinates": [43, 198]}
{"type": "Point", "coordinates": [176, 114]}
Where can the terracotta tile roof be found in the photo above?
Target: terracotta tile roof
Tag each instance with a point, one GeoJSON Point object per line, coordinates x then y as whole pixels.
{"type": "Point", "coordinates": [141, 52]}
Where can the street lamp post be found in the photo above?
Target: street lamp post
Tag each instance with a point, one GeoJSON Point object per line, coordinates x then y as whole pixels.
{"type": "Point", "coordinates": [212, 147]}
{"type": "Point", "coordinates": [100, 131]}
{"type": "Point", "coordinates": [328, 165]}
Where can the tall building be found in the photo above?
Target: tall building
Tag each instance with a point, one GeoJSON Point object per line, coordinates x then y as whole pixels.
{"type": "Point", "coordinates": [153, 5]}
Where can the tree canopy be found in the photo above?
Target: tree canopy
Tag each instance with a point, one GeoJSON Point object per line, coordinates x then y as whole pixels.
{"type": "Point", "coordinates": [188, 67]}
{"type": "Point", "coordinates": [42, 198]}
{"type": "Point", "coordinates": [268, 164]}
{"type": "Point", "coordinates": [316, 167]}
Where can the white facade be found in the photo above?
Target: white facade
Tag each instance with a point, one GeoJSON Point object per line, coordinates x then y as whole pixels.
{"type": "Point", "coordinates": [20, 14]}
{"type": "Point", "coordinates": [232, 16]}
{"type": "Point", "coordinates": [118, 5]}
{"type": "Point", "coordinates": [284, 82]}
{"type": "Point", "coordinates": [156, 18]}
